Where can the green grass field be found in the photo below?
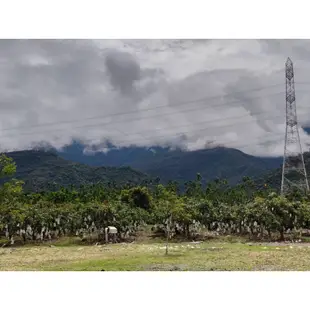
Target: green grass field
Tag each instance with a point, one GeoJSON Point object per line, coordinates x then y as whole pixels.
{"type": "Point", "coordinates": [208, 256]}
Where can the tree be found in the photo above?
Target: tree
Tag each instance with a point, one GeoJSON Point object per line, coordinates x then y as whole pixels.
{"type": "Point", "coordinates": [138, 197]}
{"type": "Point", "coordinates": [12, 187]}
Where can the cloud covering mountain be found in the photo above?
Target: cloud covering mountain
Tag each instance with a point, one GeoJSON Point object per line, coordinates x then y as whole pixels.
{"type": "Point", "coordinates": [187, 93]}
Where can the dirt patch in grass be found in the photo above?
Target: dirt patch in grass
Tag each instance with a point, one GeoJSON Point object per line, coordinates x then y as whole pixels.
{"type": "Point", "coordinates": [213, 249]}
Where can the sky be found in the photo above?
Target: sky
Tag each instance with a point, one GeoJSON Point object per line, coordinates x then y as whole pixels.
{"type": "Point", "coordinates": [180, 93]}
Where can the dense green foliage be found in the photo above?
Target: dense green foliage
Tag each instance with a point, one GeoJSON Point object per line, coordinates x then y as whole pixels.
{"type": "Point", "coordinates": [46, 171]}
{"type": "Point", "coordinates": [88, 209]}
{"type": "Point", "coordinates": [42, 170]}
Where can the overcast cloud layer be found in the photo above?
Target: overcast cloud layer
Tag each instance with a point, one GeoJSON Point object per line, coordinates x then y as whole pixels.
{"type": "Point", "coordinates": [188, 93]}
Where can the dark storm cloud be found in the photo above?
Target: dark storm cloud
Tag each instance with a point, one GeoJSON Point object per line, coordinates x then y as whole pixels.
{"type": "Point", "coordinates": [123, 70]}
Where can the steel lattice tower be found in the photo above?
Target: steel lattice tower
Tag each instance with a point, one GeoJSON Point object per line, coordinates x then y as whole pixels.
{"type": "Point", "coordinates": [293, 160]}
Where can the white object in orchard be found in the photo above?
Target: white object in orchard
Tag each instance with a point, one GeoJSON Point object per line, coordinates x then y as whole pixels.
{"type": "Point", "coordinates": [110, 230]}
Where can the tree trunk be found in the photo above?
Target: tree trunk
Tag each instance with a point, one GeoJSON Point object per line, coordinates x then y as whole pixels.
{"type": "Point", "coordinates": [187, 230]}
{"type": "Point", "coordinates": [176, 231]}
{"type": "Point", "coordinates": [269, 234]}
{"type": "Point", "coordinates": [261, 231]}
{"type": "Point", "coordinates": [252, 232]}
{"type": "Point", "coordinates": [166, 246]}
{"type": "Point", "coordinates": [167, 241]}
{"type": "Point", "coordinates": [281, 234]}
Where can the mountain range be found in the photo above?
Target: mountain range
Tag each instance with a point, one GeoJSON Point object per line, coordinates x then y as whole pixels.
{"type": "Point", "coordinates": [49, 168]}
{"type": "Point", "coordinates": [179, 165]}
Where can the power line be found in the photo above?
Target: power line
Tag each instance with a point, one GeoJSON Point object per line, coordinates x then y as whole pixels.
{"type": "Point", "coordinates": [139, 119]}
{"type": "Point", "coordinates": [100, 124]}
{"type": "Point", "coordinates": [134, 141]}
{"type": "Point", "coordinates": [145, 110]}
{"type": "Point", "coordinates": [128, 120]}
{"type": "Point", "coordinates": [172, 136]}
{"type": "Point", "coordinates": [154, 137]}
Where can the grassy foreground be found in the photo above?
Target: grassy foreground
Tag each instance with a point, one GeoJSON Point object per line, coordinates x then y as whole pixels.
{"type": "Point", "coordinates": [208, 256]}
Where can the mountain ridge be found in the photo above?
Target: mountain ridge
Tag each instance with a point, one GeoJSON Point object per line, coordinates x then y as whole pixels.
{"type": "Point", "coordinates": [177, 164]}
{"type": "Point", "coordinates": [46, 170]}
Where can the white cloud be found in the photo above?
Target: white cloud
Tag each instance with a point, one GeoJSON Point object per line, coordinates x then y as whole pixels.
{"type": "Point", "coordinates": [148, 92]}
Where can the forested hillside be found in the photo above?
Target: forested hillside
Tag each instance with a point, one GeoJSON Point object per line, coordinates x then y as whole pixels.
{"type": "Point", "coordinates": [178, 165]}
{"type": "Point", "coordinates": [273, 177]}
{"type": "Point", "coordinates": [47, 171]}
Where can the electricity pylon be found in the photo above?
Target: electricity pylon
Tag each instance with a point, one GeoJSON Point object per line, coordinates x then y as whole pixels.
{"type": "Point", "coordinates": [294, 173]}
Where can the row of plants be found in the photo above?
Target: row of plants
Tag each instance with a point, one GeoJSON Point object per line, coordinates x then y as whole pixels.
{"type": "Point", "coordinates": [88, 210]}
